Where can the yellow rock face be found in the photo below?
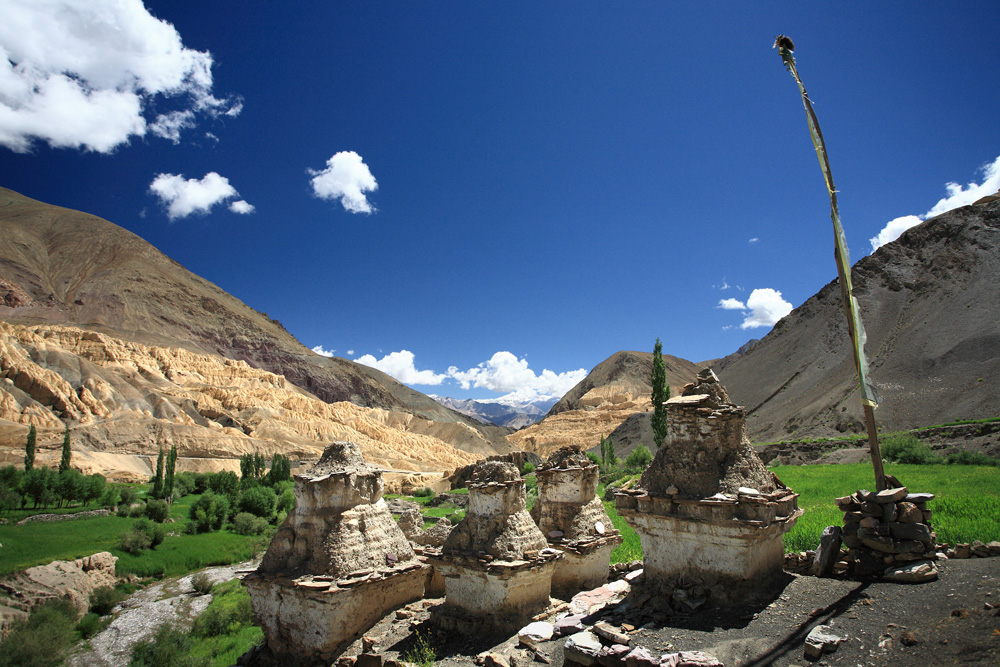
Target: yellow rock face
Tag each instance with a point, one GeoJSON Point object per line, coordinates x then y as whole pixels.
{"type": "Point", "coordinates": [125, 400]}
{"type": "Point", "coordinates": [605, 408]}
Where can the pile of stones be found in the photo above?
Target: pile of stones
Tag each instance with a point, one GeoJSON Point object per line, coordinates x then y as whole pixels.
{"type": "Point", "coordinates": [885, 529]}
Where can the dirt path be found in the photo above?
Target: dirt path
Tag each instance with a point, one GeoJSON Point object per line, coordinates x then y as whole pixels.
{"type": "Point", "coordinates": [141, 614]}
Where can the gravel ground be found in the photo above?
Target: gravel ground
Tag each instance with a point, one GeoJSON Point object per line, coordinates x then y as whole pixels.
{"type": "Point", "coordinates": [944, 622]}
{"type": "Point", "coordinates": [138, 617]}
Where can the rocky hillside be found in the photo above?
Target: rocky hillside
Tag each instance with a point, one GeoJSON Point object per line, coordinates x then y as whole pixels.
{"type": "Point", "coordinates": [70, 269]}
{"type": "Point", "coordinates": [125, 400]}
{"type": "Point", "coordinates": [932, 313]}
{"type": "Point", "coordinates": [616, 388]}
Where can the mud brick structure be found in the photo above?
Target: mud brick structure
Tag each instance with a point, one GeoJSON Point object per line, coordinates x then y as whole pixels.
{"type": "Point", "coordinates": [336, 566]}
{"type": "Point", "coordinates": [572, 518]}
{"type": "Point", "coordinates": [709, 514]}
{"type": "Point", "coordinates": [497, 565]}
{"type": "Point", "coordinates": [885, 529]}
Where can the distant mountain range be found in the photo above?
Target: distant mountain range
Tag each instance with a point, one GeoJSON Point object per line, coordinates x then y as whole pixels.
{"type": "Point", "coordinates": [502, 412]}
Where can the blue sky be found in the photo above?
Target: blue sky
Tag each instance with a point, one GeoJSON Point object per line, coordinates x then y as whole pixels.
{"type": "Point", "coordinates": [553, 182]}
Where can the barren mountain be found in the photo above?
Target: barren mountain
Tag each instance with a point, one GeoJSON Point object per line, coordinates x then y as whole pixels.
{"type": "Point", "coordinates": [931, 307]}
{"type": "Point", "coordinates": [64, 267]}
{"type": "Point", "coordinates": [616, 388]}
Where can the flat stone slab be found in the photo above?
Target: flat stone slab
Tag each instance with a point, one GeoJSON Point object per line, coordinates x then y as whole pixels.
{"type": "Point", "coordinates": [891, 495]}
{"type": "Point", "coordinates": [582, 647]}
{"type": "Point", "coordinates": [820, 640]}
{"type": "Point", "coordinates": [533, 633]}
{"type": "Point", "coordinates": [912, 573]}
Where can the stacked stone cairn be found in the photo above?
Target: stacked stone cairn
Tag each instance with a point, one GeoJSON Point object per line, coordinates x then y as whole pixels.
{"type": "Point", "coordinates": [572, 517]}
{"type": "Point", "coordinates": [888, 533]}
{"type": "Point", "coordinates": [497, 565]}
{"type": "Point", "coordinates": [709, 514]}
{"type": "Point", "coordinates": [336, 566]}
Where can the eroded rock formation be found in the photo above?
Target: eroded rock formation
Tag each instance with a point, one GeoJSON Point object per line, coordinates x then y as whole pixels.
{"type": "Point", "coordinates": [336, 566]}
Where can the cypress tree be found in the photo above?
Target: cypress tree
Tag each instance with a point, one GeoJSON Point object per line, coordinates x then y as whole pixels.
{"type": "Point", "coordinates": [66, 453]}
{"type": "Point", "coordinates": [168, 482]}
{"type": "Point", "coordinates": [29, 450]}
{"type": "Point", "coordinates": [661, 392]}
{"type": "Point", "coordinates": [158, 481]}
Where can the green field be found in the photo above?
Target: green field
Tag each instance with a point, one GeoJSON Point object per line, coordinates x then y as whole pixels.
{"type": "Point", "coordinates": [966, 505]}
{"type": "Point", "coordinates": [40, 542]}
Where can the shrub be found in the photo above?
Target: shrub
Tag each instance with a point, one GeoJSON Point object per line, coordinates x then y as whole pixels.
{"type": "Point", "coordinates": [228, 612]}
{"type": "Point", "coordinates": [286, 502]}
{"type": "Point", "coordinates": [527, 468]}
{"type": "Point", "coordinates": [89, 625]}
{"type": "Point", "coordinates": [136, 511]}
{"type": "Point", "coordinates": [248, 524]}
{"type": "Point", "coordinates": [907, 448]}
{"type": "Point", "coordinates": [111, 497]}
{"type": "Point", "coordinates": [184, 484]}
{"type": "Point", "coordinates": [169, 647]}
{"type": "Point", "coordinates": [966, 458]}
{"type": "Point", "coordinates": [425, 492]}
{"type": "Point", "coordinates": [638, 458]}
{"type": "Point", "coordinates": [104, 599]}
{"type": "Point", "coordinates": [257, 500]}
{"type": "Point", "coordinates": [225, 483]}
{"type": "Point", "coordinates": [593, 457]}
{"type": "Point", "coordinates": [209, 512]}
{"type": "Point", "coordinates": [42, 639]}
{"type": "Point", "coordinates": [202, 583]}
{"type": "Point", "coordinates": [128, 495]}
{"type": "Point", "coordinates": [134, 541]}
{"type": "Point", "coordinates": [157, 510]}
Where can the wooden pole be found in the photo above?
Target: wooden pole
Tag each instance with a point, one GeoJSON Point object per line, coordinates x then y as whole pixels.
{"type": "Point", "coordinates": [873, 447]}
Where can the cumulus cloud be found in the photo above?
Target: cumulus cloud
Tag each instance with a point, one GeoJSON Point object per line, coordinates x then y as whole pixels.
{"type": "Point", "coordinates": [350, 353]}
{"type": "Point", "coordinates": [184, 197]}
{"type": "Point", "coordinates": [345, 178]}
{"type": "Point", "coordinates": [400, 366]}
{"type": "Point", "coordinates": [83, 74]}
{"type": "Point", "coordinates": [505, 373]}
{"type": "Point", "coordinates": [957, 196]}
{"type": "Point", "coordinates": [753, 240]}
{"type": "Point", "coordinates": [766, 307]}
{"type": "Point", "coordinates": [731, 304]}
{"type": "Point", "coordinates": [323, 353]}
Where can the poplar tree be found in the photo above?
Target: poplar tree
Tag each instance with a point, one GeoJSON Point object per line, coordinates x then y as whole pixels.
{"type": "Point", "coordinates": [168, 482]}
{"type": "Point", "coordinates": [29, 450]}
{"type": "Point", "coordinates": [158, 481]}
{"type": "Point", "coordinates": [661, 392]}
{"type": "Point", "coordinates": [66, 453]}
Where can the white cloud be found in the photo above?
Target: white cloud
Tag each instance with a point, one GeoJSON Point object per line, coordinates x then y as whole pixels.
{"type": "Point", "coordinates": [893, 230]}
{"type": "Point", "coordinates": [345, 178]}
{"type": "Point", "coordinates": [504, 372]}
{"type": "Point", "coordinates": [350, 352]}
{"type": "Point", "coordinates": [400, 366]}
{"type": "Point", "coordinates": [82, 74]}
{"type": "Point", "coordinates": [957, 196]}
{"type": "Point", "coordinates": [731, 304]}
{"type": "Point", "coordinates": [184, 197]}
{"type": "Point", "coordinates": [753, 240]}
{"type": "Point", "coordinates": [766, 307]}
{"type": "Point", "coordinates": [323, 353]}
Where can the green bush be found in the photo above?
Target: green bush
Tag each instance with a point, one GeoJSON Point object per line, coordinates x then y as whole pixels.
{"type": "Point", "coordinates": [134, 541]}
{"type": "Point", "coordinates": [42, 639]}
{"type": "Point", "coordinates": [89, 625]}
{"type": "Point", "coordinates": [257, 500]}
{"type": "Point", "coordinates": [225, 483]}
{"type": "Point", "coordinates": [104, 599]}
{"type": "Point", "coordinates": [425, 492]}
{"type": "Point", "coordinates": [208, 512]}
{"type": "Point", "coordinates": [155, 532]}
{"type": "Point", "coordinates": [157, 510]}
{"type": "Point", "coordinates": [248, 524]}
{"type": "Point", "coordinates": [594, 457]}
{"type": "Point", "coordinates": [966, 458]}
{"type": "Point", "coordinates": [527, 468]}
{"type": "Point", "coordinates": [129, 495]}
{"type": "Point", "coordinates": [228, 612]}
{"type": "Point", "coordinates": [169, 647]}
{"type": "Point", "coordinates": [907, 448]}
{"type": "Point", "coordinates": [136, 511]}
{"type": "Point", "coordinates": [286, 502]}
{"type": "Point", "coordinates": [202, 583]}
{"type": "Point", "coordinates": [638, 458]}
